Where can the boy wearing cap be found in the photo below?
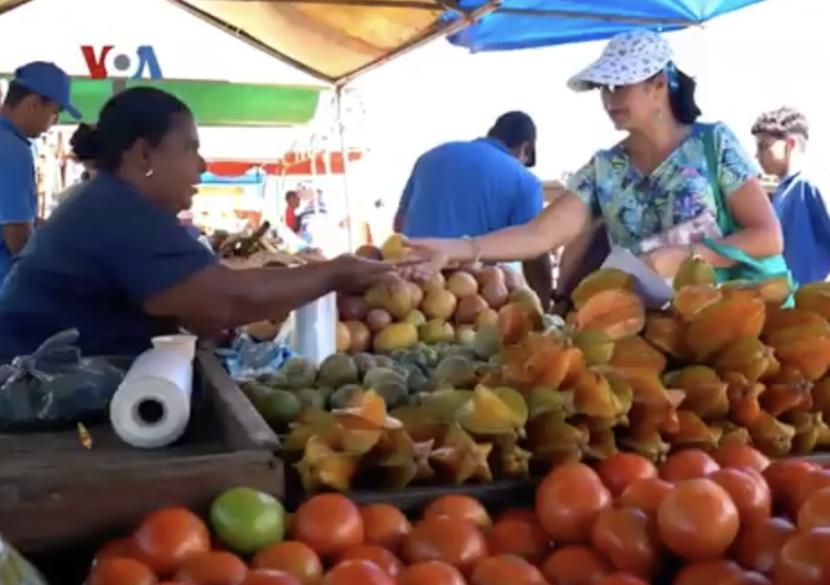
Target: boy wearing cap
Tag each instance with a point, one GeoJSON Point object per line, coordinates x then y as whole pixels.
{"type": "Point", "coordinates": [36, 96]}
{"type": "Point", "coordinates": [476, 187]}
{"type": "Point", "coordinates": [781, 137]}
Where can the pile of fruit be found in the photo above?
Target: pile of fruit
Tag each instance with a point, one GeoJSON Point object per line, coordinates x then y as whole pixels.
{"type": "Point", "coordinates": [396, 314]}
{"type": "Point", "coordinates": [730, 518]}
{"type": "Point", "coordinates": [720, 366]}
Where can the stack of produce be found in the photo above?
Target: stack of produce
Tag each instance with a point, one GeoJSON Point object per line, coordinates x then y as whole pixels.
{"type": "Point", "coordinates": [396, 314]}
{"type": "Point", "coordinates": [728, 519]}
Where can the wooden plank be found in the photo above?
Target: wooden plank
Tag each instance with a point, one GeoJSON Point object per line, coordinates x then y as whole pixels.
{"type": "Point", "coordinates": [69, 509]}
{"type": "Point", "coordinates": [241, 423]}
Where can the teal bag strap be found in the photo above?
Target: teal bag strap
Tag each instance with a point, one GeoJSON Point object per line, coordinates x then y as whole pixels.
{"type": "Point", "coordinates": [736, 255]}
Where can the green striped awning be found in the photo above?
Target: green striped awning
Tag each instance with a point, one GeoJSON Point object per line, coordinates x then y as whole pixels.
{"type": "Point", "coordinates": [214, 103]}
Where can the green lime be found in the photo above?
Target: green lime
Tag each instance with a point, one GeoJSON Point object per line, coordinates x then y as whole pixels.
{"type": "Point", "coordinates": [247, 520]}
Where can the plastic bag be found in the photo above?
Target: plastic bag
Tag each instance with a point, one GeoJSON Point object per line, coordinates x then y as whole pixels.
{"type": "Point", "coordinates": [14, 569]}
{"type": "Point", "coordinates": [246, 359]}
{"type": "Point", "coordinates": [55, 387]}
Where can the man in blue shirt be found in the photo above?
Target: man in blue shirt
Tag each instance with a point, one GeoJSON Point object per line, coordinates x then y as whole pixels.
{"type": "Point", "coordinates": [477, 187]}
{"type": "Point", "coordinates": [36, 96]}
{"type": "Point", "coordinates": [782, 137]}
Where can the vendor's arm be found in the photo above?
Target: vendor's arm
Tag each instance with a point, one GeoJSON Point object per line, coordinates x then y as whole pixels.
{"type": "Point", "coordinates": [217, 298]}
{"type": "Point", "coordinates": [17, 201]}
{"type": "Point", "coordinates": [170, 274]}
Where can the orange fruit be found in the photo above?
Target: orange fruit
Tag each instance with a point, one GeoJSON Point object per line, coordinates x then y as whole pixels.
{"type": "Point", "coordinates": [568, 501]}
{"type": "Point", "coordinates": [375, 554]}
{"type": "Point", "coordinates": [357, 572]}
{"type": "Point", "coordinates": [384, 525]}
{"type": "Point", "coordinates": [212, 568]}
{"type": "Point", "coordinates": [329, 524]}
{"type": "Point", "coordinates": [295, 558]}
{"type": "Point", "coordinates": [620, 469]}
{"type": "Point", "coordinates": [121, 571]}
{"type": "Point", "coordinates": [431, 573]}
{"type": "Point", "coordinates": [269, 577]}
{"type": "Point", "coordinates": [688, 464]}
{"type": "Point", "coordinates": [456, 542]}
{"type": "Point", "coordinates": [506, 570]}
{"type": "Point", "coordinates": [575, 565]}
{"type": "Point", "coordinates": [523, 538]}
{"type": "Point", "coordinates": [460, 507]}
{"type": "Point", "coordinates": [168, 536]}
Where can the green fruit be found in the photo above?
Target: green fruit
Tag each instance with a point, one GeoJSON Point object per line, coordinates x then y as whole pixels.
{"type": "Point", "coordinates": [247, 520]}
{"type": "Point", "coordinates": [312, 398]}
{"type": "Point", "coordinates": [337, 370]}
{"type": "Point", "coordinates": [279, 408]}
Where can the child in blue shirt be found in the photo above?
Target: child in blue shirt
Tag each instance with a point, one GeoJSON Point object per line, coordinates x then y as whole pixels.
{"type": "Point", "coordinates": [781, 136]}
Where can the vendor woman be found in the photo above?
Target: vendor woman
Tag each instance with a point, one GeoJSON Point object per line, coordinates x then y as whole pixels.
{"type": "Point", "coordinates": [113, 261]}
{"type": "Point", "coordinates": [654, 180]}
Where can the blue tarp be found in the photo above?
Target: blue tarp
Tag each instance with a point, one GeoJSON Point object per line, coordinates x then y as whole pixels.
{"type": "Point", "coordinates": [521, 24]}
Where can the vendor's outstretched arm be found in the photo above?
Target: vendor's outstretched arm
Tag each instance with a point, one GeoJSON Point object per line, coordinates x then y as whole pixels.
{"type": "Point", "coordinates": [219, 298]}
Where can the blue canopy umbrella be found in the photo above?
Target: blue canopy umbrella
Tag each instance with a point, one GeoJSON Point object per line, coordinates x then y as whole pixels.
{"type": "Point", "coordinates": [521, 24]}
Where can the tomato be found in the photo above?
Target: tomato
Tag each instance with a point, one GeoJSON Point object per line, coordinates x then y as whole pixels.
{"type": "Point", "coordinates": [168, 536]}
{"type": "Point", "coordinates": [269, 577]}
{"type": "Point", "coordinates": [525, 539]}
{"type": "Point", "coordinates": [688, 464]}
{"type": "Point", "coordinates": [329, 524]}
{"type": "Point", "coordinates": [698, 520]}
{"type": "Point", "coordinates": [292, 557]}
{"type": "Point", "coordinates": [357, 572]}
{"type": "Point", "coordinates": [813, 482]}
{"type": "Point", "coordinates": [646, 494]}
{"type": "Point", "coordinates": [457, 542]}
{"type": "Point", "coordinates": [752, 578]}
{"type": "Point", "coordinates": [431, 573]}
{"type": "Point", "coordinates": [506, 570]}
{"type": "Point", "coordinates": [575, 565]}
{"type": "Point", "coordinates": [622, 579]}
{"type": "Point", "coordinates": [757, 546]}
{"type": "Point", "coordinates": [815, 512]}
{"type": "Point", "coordinates": [120, 571]}
{"type": "Point", "coordinates": [460, 507]}
{"type": "Point", "coordinates": [803, 560]}
{"type": "Point", "coordinates": [748, 490]}
{"type": "Point", "coordinates": [568, 501]}
{"type": "Point", "coordinates": [384, 525]}
{"type": "Point", "coordinates": [212, 568]}
{"type": "Point", "coordinates": [625, 537]}
{"type": "Point", "coordinates": [118, 548]}
{"type": "Point", "coordinates": [741, 456]}
{"type": "Point", "coordinates": [374, 554]}
{"type": "Point", "coordinates": [720, 572]}
{"type": "Point", "coordinates": [620, 469]}
{"type": "Point", "coordinates": [783, 478]}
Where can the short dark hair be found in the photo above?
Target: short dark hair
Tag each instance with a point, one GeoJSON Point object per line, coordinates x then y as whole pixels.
{"type": "Point", "coordinates": [782, 123]}
{"type": "Point", "coordinates": [513, 129]}
{"type": "Point", "coordinates": [17, 93]}
{"type": "Point", "coordinates": [290, 194]}
{"type": "Point", "coordinates": [138, 112]}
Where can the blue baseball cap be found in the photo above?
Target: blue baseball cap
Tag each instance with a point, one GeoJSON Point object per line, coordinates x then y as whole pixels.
{"type": "Point", "coordinates": [48, 81]}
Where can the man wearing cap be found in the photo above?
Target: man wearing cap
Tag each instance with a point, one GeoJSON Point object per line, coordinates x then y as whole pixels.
{"type": "Point", "coordinates": [468, 189]}
{"type": "Point", "coordinates": [36, 96]}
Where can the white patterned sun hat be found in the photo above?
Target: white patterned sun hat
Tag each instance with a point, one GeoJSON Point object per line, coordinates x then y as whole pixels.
{"type": "Point", "coordinates": [629, 58]}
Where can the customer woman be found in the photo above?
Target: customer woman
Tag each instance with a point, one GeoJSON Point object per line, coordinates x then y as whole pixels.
{"type": "Point", "coordinates": [654, 182]}
{"type": "Point", "coordinates": [114, 263]}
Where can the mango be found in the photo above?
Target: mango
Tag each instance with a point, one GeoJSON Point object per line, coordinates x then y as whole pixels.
{"type": "Point", "coordinates": [394, 337]}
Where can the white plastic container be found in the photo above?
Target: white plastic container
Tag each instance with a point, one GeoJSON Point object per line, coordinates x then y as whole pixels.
{"type": "Point", "coordinates": [314, 329]}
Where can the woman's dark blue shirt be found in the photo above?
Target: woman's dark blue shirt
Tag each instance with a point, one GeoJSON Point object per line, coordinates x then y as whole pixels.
{"type": "Point", "coordinates": [91, 266]}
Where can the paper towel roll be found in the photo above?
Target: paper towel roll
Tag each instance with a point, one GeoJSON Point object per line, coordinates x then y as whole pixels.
{"type": "Point", "coordinates": [151, 407]}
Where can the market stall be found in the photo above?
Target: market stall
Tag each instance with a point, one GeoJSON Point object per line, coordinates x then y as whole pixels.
{"type": "Point", "coordinates": [671, 410]}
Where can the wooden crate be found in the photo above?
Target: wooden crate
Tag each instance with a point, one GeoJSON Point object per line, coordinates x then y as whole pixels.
{"type": "Point", "coordinates": [55, 494]}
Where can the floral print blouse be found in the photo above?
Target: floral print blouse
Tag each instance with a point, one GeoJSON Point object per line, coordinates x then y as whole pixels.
{"type": "Point", "coordinates": [636, 207]}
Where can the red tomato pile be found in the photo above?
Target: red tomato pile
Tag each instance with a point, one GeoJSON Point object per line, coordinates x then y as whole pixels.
{"type": "Point", "coordinates": [730, 518]}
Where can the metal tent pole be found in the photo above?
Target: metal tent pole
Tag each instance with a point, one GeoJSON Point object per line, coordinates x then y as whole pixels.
{"type": "Point", "coordinates": [341, 125]}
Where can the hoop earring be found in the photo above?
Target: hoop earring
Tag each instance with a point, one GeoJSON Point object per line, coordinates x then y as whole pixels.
{"type": "Point", "coordinates": [149, 173]}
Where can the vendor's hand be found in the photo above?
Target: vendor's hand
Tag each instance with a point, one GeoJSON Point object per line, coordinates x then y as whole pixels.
{"type": "Point", "coordinates": [666, 261]}
{"type": "Point", "coordinates": [353, 274]}
{"type": "Point", "coordinates": [427, 256]}
{"type": "Point", "coordinates": [311, 256]}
